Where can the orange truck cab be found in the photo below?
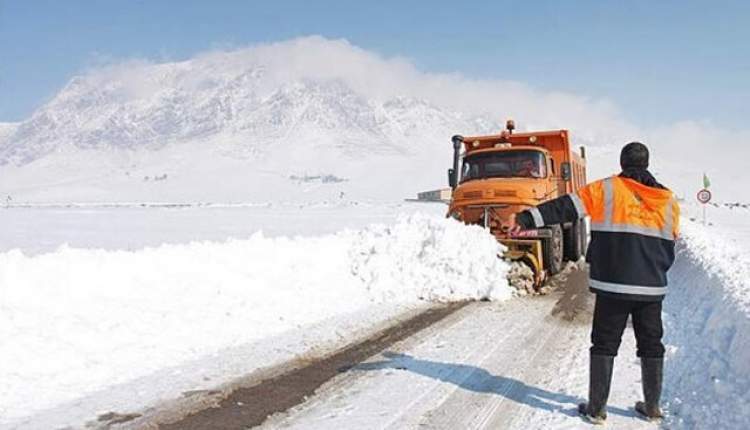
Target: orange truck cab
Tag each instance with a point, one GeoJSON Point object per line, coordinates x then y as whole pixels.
{"type": "Point", "coordinates": [498, 175]}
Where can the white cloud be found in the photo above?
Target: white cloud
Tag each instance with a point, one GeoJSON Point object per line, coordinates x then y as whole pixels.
{"type": "Point", "coordinates": [378, 77]}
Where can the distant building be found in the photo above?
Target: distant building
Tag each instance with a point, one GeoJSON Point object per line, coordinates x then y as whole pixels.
{"type": "Point", "coordinates": [441, 195]}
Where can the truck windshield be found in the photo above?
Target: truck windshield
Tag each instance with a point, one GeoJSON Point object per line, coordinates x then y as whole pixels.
{"type": "Point", "coordinates": [504, 164]}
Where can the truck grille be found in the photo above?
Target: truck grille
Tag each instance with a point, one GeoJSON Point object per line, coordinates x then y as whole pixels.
{"type": "Point", "coordinates": [473, 195]}
{"type": "Point", "coordinates": [505, 193]}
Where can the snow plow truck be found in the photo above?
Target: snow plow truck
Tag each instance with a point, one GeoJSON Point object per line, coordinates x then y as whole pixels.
{"type": "Point", "coordinates": [495, 176]}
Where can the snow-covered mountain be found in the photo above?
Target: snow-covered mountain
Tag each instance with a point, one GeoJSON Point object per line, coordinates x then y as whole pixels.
{"type": "Point", "coordinates": [246, 106]}
{"type": "Point", "coordinates": [247, 124]}
{"type": "Point", "coordinates": [236, 114]}
{"type": "Point", "coordinates": [6, 129]}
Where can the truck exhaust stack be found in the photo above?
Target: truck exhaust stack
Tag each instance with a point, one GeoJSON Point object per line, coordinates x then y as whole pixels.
{"type": "Point", "coordinates": [454, 174]}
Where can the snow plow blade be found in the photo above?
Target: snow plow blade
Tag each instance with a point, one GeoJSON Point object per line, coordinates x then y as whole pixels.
{"type": "Point", "coordinates": [528, 252]}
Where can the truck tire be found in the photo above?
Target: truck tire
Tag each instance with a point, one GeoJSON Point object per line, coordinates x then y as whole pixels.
{"type": "Point", "coordinates": [552, 249]}
{"type": "Point", "coordinates": [573, 241]}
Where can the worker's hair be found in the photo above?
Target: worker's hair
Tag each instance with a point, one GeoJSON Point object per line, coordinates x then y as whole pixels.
{"type": "Point", "coordinates": [634, 155]}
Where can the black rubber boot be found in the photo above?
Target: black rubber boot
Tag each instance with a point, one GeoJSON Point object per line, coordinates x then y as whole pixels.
{"type": "Point", "coordinates": [652, 371]}
{"type": "Point", "coordinates": [600, 378]}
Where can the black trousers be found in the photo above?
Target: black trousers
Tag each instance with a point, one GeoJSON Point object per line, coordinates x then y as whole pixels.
{"type": "Point", "coordinates": [610, 318]}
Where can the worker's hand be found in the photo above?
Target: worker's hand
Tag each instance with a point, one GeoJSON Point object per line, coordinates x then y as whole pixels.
{"type": "Point", "coordinates": [513, 227]}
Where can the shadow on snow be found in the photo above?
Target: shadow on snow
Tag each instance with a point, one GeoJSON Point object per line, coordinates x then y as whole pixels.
{"type": "Point", "coordinates": [476, 379]}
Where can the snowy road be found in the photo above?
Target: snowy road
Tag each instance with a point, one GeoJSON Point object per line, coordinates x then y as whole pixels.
{"type": "Point", "coordinates": [518, 364]}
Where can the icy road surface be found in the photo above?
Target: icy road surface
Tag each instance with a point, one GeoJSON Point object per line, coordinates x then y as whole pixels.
{"type": "Point", "coordinates": [514, 365]}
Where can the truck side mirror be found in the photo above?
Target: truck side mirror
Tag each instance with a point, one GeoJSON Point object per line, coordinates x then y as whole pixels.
{"type": "Point", "coordinates": [451, 178]}
{"type": "Point", "coordinates": [565, 167]}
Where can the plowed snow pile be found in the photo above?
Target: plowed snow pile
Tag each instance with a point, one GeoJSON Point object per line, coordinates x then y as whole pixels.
{"type": "Point", "coordinates": [707, 313]}
{"type": "Point", "coordinates": [76, 321]}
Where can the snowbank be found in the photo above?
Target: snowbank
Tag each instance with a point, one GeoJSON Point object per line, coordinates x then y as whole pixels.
{"type": "Point", "coordinates": [79, 320]}
{"type": "Point", "coordinates": [707, 315]}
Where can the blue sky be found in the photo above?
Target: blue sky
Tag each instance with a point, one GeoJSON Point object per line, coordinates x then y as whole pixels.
{"type": "Point", "coordinates": [659, 61]}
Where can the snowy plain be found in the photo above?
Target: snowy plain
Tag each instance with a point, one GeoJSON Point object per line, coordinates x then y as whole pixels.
{"type": "Point", "coordinates": [76, 321]}
{"type": "Point", "coordinates": [116, 322]}
{"type": "Point", "coordinates": [132, 226]}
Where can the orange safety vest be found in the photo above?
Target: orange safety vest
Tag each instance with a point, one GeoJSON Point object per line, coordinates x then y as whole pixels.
{"type": "Point", "coordinates": [618, 204]}
{"type": "Point", "coordinates": [633, 229]}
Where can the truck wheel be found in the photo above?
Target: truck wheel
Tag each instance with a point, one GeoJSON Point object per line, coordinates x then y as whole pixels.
{"type": "Point", "coordinates": [553, 251]}
{"type": "Point", "coordinates": [572, 238]}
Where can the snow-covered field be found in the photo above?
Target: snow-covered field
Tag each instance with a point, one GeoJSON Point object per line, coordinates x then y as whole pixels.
{"type": "Point", "coordinates": [79, 321]}
{"type": "Point", "coordinates": [111, 322]}
{"type": "Point", "coordinates": [129, 226]}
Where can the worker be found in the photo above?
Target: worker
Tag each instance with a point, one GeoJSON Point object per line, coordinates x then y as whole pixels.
{"type": "Point", "coordinates": [634, 225]}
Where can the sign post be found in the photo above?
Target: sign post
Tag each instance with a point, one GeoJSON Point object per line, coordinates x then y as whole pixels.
{"type": "Point", "coordinates": [704, 196]}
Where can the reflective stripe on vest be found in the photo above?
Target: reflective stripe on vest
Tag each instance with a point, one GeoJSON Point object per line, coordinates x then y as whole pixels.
{"type": "Point", "coordinates": [611, 287]}
{"type": "Point", "coordinates": [666, 232]}
{"type": "Point", "coordinates": [538, 220]}
{"type": "Point", "coordinates": [609, 202]}
{"type": "Point", "coordinates": [580, 208]}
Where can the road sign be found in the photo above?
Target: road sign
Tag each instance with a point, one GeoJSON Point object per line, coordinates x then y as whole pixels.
{"type": "Point", "coordinates": [704, 196]}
